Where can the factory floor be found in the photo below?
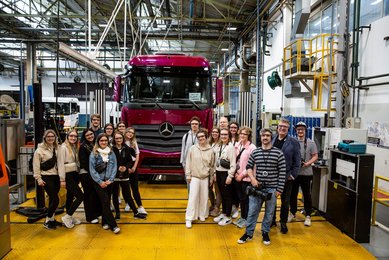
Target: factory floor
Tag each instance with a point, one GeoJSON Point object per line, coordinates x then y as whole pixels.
{"type": "Point", "coordinates": [164, 236]}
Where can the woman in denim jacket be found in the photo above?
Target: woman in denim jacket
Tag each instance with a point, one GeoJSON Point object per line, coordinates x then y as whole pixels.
{"type": "Point", "coordinates": [103, 178]}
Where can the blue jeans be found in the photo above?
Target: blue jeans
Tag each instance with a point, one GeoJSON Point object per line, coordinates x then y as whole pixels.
{"type": "Point", "coordinates": [255, 205]}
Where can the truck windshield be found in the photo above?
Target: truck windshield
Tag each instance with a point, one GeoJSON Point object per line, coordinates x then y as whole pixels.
{"type": "Point", "coordinates": [193, 86]}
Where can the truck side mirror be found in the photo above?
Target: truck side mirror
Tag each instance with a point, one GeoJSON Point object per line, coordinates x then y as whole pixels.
{"type": "Point", "coordinates": [219, 91]}
{"type": "Point", "coordinates": [117, 88]}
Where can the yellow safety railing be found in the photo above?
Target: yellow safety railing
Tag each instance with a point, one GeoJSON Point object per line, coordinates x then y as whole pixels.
{"type": "Point", "coordinates": [376, 199]}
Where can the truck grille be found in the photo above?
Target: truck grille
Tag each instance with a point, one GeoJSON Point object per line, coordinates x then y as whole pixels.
{"type": "Point", "coordinates": [150, 138]}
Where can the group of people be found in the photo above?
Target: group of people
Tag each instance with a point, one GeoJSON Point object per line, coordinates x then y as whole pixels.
{"type": "Point", "coordinates": [227, 169]}
{"type": "Point", "coordinates": [105, 160]}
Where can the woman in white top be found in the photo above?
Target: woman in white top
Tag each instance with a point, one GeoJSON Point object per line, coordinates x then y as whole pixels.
{"type": "Point", "coordinates": [225, 170]}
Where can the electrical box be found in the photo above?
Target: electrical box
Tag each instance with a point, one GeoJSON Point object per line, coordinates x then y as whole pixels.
{"type": "Point", "coordinates": [353, 122]}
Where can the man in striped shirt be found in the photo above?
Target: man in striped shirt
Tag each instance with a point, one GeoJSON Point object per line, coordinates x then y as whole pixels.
{"type": "Point", "coordinates": [269, 178]}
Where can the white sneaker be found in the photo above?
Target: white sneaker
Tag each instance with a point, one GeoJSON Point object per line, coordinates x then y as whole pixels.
{"type": "Point", "coordinates": [219, 218]}
{"type": "Point", "coordinates": [76, 221]}
{"type": "Point", "coordinates": [95, 221]}
{"type": "Point", "coordinates": [234, 212]}
{"type": "Point", "coordinates": [67, 221]}
{"type": "Point", "coordinates": [307, 221]}
{"type": "Point", "coordinates": [291, 217]}
{"type": "Point", "coordinates": [120, 200]}
{"type": "Point", "coordinates": [127, 208]}
{"type": "Point", "coordinates": [142, 210]}
{"type": "Point", "coordinates": [225, 221]}
{"type": "Point", "coordinates": [188, 224]}
{"type": "Point", "coordinates": [106, 226]}
{"type": "Point", "coordinates": [116, 230]}
{"type": "Point", "coordinates": [202, 219]}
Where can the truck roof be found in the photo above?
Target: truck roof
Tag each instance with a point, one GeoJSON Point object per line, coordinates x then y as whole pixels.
{"type": "Point", "coordinates": [169, 61]}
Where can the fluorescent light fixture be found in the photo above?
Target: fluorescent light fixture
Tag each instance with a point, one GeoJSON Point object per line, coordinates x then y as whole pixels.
{"type": "Point", "coordinates": [166, 81]}
{"type": "Point", "coordinates": [224, 49]}
{"type": "Point", "coordinates": [231, 28]}
{"type": "Point", "coordinates": [74, 55]}
{"type": "Point", "coordinates": [103, 25]}
{"type": "Point", "coordinates": [376, 2]}
{"type": "Point", "coordinates": [212, 62]}
{"type": "Point", "coordinates": [161, 25]}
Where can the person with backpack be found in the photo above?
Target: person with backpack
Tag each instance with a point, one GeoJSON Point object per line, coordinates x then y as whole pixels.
{"type": "Point", "coordinates": [102, 168]}
{"type": "Point", "coordinates": [46, 174]}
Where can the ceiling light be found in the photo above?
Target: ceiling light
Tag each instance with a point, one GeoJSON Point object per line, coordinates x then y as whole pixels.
{"type": "Point", "coordinates": [231, 28]}
{"type": "Point", "coordinates": [103, 25]}
{"type": "Point", "coordinates": [161, 25]}
{"type": "Point", "coordinates": [224, 49]}
{"type": "Point", "coordinates": [212, 62]}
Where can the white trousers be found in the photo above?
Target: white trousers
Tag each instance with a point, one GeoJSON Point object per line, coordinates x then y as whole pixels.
{"type": "Point", "coordinates": [198, 199]}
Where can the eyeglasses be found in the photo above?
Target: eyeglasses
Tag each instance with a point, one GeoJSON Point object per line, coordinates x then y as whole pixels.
{"type": "Point", "coordinates": [194, 123]}
{"type": "Point", "coordinates": [215, 132]}
{"type": "Point", "coordinates": [109, 129]}
{"type": "Point", "coordinates": [121, 126]}
{"type": "Point", "coordinates": [266, 135]}
{"type": "Point", "coordinates": [200, 136]}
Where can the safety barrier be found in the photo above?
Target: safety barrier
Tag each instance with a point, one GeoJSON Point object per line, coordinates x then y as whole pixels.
{"type": "Point", "coordinates": [376, 199]}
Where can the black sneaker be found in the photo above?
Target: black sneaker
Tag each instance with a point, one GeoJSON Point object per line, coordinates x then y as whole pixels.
{"type": "Point", "coordinates": [284, 228]}
{"type": "Point", "coordinates": [117, 216]}
{"type": "Point", "coordinates": [266, 238]}
{"type": "Point", "coordinates": [57, 223]}
{"type": "Point", "coordinates": [139, 216]}
{"type": "Point", "coordinates": [244, 239]}
{"type": "Point", "coordinates": [50, 225]}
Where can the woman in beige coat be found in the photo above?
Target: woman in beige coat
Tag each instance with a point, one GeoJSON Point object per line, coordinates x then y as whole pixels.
{"type": "Point", "coordinates": [46, 173]}
{"type": "Point", "coordinates": [199, 171]}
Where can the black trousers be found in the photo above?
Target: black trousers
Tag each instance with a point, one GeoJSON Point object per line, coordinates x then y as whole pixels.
{"type": "Point", "coordinates": [134, 179]}
{"type": "Point", "coordinates": [226, 192]}
{"type": "Point", "coordinates": [305, 183]}
{"type": "Point", "coordinates": [92, 205]}
{"type": "Point", "coordinates": [240, 187]}
{"type": "Point", "coordinates": [104, 195]}
{"type": "Point", "coordinates": [125, 185]}
{"type": "Point", "coordinates": [285, 201]}
{"type": "Point", "coordinates": [74, 195]}
{"type": "Point", "coordinates": [235, 193]}
{"type": "Point", "coordinates": [52, 187]}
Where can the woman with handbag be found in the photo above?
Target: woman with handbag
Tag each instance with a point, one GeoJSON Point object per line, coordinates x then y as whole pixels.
{"type": "Point", "coordinates": [68, 170]}
{"type": "Point", "coordinates": [46, 174]}
{"type": "Point", "coordinates": [102, 168]}
{"type": "Point", "coordinates": [225, 170]}
{"type": "Point", "coordinates": [243, 149]}
{"type": "Point", "coordinates": [124, 156]}
{"type": "Point", "coordinates": [134, 179]}
{"type": "Point", "coordinates": [92, 203]}
{"type": "Point", "coordinates": [199, 172]}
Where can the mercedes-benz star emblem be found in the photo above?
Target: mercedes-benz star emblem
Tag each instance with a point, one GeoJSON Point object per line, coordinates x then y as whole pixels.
{"type": "Point", "coordinates": [166, 129]}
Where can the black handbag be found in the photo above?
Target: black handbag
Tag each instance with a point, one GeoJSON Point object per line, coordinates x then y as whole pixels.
{"type": "Point", "coordinates": [100, 167]}
{"type": "Point", "coordinates": [50, 163]}
{"type": "Point", "coordinates": [224, 163]}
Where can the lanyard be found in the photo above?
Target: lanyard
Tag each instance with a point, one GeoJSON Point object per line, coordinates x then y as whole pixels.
{"type": "Point", "coordinates": [222, 149]}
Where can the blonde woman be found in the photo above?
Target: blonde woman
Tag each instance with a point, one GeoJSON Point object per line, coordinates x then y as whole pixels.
{"type": "Point", "coordinates": [46, 174]}
{"type": "Point", "coordinates": [214, 197]}
{"type": "Point", "coordinates": [130, 137]}
{"type": "Point", "coordinates": [102, 168]}
{"type": "Point", "coordinates": [68, 170]}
